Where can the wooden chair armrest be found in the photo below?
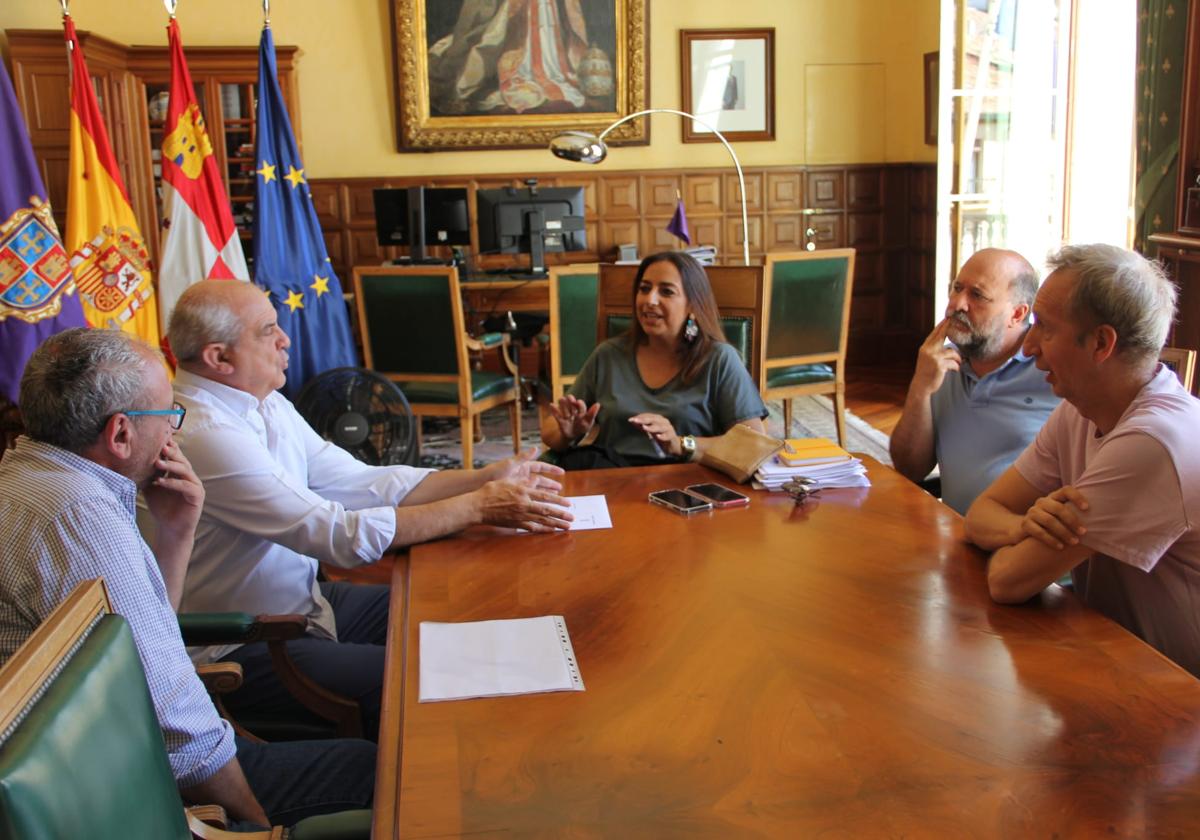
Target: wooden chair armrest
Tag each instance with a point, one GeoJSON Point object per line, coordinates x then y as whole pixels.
{"type": "Point", "coordinates": [203, 831]}
{"type": "Point", "coordinates": [317, 699]}
{"type": "Point", "coordinates": [213, 815]}
{"type": "Point", "coordinates": [220, 677]}
{"type": "Point", "coordinates": [234, 628]}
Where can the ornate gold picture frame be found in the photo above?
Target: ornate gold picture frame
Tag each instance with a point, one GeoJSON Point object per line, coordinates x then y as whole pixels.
{"type": "Point", "coordinates": [479, 74]}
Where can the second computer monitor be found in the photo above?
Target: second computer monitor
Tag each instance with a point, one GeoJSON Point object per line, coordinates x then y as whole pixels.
{"type": "Point", "coordinates": [420, 216]}
{"type": "Point", "coordinates": [530, 221]}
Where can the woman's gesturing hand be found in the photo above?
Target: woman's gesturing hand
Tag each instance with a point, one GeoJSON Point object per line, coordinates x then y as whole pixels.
{"type": "Point", "coordinates": [659, 430]}
{"type": "Point", "coordinates": [575, 418]}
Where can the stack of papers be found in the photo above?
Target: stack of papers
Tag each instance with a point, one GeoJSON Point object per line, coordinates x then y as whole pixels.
{"type": "Point", "coordinates": [818, 459]}
{"type": "Point", "coordinates": [703, 254]}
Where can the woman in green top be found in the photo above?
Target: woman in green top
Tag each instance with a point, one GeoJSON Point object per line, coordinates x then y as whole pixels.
{"type": "Point", "coordinates": [663, 390]}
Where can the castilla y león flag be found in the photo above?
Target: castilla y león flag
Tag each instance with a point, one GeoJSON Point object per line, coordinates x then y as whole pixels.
{"type": "Point", "coordinates": [199, 237]}
{"type": "Point", "coordinates": [108, 255]}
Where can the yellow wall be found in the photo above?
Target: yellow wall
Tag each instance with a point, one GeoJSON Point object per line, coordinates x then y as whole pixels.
{"type": "Point", "coordinates": [345, 68]}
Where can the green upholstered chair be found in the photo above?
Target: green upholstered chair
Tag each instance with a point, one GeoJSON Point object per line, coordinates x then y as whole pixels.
{"type": "Point", "coordinates": [413, 332]}
{"type": "Point", "coordinates": [81, 752]}
{"type": "Point", "coordinates": [329, 715]}
{"type": "Point", "coordinates": [573, 293]}
{"type": "Point", "coordinates": [806, 304]}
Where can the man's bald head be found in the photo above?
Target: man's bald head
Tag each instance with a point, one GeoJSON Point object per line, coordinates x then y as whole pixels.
{"type": "Point", "coordinates": [208, 312]}
{"type": "Point", "coordinates": [1001, 263]}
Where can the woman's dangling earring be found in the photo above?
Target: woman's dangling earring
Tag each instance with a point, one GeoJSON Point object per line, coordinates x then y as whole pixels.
{"type": "Point", "coordinates": [690, 331]}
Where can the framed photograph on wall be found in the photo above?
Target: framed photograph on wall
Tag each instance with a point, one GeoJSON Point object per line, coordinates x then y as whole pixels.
{"type": "Point", "coordinates": [728, 80]}
{"type": "Point", "coordinates": [472, 75]}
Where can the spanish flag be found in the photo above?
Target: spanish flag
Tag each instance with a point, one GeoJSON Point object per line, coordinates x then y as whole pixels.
{"type": "Point", "coordinates": [109, 258]}
{"type": "Point", "coordinates": [199, 239]}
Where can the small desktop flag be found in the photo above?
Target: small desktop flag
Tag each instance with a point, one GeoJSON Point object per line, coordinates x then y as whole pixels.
{"type": "Point", "coordinates": [37, 291]}
{"type": "Point", "coordinates": [290, 261]}
{"type": "Point", "coordinates": [199, 237]}
{"type": "Point", "coordinates": [678, 226]}
{"type": "Point", "coordinates": [109, 258]}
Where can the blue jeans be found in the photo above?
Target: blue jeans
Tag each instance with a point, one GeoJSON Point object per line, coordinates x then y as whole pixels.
{"type": "Point", "coordinates": [297, 779]}
{"type": "Point", "coordinates": [352, 666]}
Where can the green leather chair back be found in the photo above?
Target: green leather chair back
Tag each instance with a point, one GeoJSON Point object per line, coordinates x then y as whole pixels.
{"type": "Point", "coordinates": [807, 297]}
{"type": "Point", "coordinates": [576, 320]}
{"type": "Point", "coordinates": [738, 332]}
{"type": "Point", "coordinates": [88, 760]}
{"type": "Point", "coordinates": [410, 323]}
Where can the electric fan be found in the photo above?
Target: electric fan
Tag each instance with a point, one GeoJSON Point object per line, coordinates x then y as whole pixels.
{"type": "Point", "coordinates": [363, 413]}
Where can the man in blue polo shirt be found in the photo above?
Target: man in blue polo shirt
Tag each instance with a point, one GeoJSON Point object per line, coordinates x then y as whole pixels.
{"type": "Point", "coordinates": [975, 401]}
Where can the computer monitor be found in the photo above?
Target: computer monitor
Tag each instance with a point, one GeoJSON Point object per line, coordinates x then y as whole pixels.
{"type": "Point", "coordinates": [421, 216]}
{"type": "Point", "coordinates": [531, 221]}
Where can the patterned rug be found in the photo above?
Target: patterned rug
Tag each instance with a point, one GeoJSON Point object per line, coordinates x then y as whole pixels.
{"type": "Point", "coordinates": [811, 417]}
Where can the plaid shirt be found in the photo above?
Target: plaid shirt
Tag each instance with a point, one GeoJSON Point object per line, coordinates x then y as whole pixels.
{"type": "Point", "coordinates": [65, 519]}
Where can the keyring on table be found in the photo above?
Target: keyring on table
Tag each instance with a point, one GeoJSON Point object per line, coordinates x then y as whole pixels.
{"type": "Point", "coordinates": [801, 488]}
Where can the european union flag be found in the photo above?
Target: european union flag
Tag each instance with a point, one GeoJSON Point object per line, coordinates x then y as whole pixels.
{"type": "Point", "coordinates": [37, 290]}
{"type": "Point", "coordinates": [290, 260]}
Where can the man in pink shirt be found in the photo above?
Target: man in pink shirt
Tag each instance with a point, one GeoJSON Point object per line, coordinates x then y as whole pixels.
{"type": "Point", "coordinates": [1110, 488]}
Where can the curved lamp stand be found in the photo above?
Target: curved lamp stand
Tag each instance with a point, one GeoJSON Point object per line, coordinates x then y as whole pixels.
{"type": "Point", "coordinates": [585, 147]}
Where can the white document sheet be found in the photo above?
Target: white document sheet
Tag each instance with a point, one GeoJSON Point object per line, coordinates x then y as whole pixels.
{"type": "Point", "coordinates": [496, 658]}
{"type": "Point", "coordinates": [591, 513]}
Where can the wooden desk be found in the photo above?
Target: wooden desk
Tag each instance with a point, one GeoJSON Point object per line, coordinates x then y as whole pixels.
{"type": "Point", "coordinates": [774, 671]}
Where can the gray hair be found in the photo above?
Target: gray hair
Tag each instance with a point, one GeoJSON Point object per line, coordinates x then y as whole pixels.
{"type": "Point", "coordinates": [201, 318]}
{"type": "Point", "coordinates": [1023, 285]}
{"type": "Point", "coordinates": [1122, 289]}
{"type": "Point", "coordinates": [79, 378]}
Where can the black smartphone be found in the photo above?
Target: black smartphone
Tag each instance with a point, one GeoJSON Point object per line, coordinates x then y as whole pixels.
{"type": "Point", "coordinates": [680, 501]}
{"type": "Point", "coordinates": [720, 495]}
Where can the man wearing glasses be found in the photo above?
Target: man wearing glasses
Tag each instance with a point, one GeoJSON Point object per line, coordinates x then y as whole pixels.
{"type": "Point", "coordinates": [280, 499]}
{"type": "Point", "coordinates": [98, 432]}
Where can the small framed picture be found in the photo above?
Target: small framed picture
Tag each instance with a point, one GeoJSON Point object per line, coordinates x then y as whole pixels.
{"type": "Point", "coordinates": [728, 80]}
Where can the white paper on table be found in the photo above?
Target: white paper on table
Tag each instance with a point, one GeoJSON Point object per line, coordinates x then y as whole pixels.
{"type": "Point", "coordinates": [496, 658]}
{"type": "Point", "coordinates": [591, 513]}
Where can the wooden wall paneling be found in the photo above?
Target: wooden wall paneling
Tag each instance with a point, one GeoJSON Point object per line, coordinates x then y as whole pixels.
{"type": "Point", "coordinates": [864, 231]}
{"type": "Point", "coordinates": [655, 237]}
{"type": "Point", "coordinates": [733, 236]}
{"type": "Point", "coordinates": [785, 191]}
{"type": "Point", "coordinates": [660, 194]}
{"type": "Point", "coordinates": [702, 195]}
{"type": "Point", "coordinates": [328, 201]}
{"type": "Point", "coordinates": [826, 189]}
{"type": "Point", "coordinates": [785, 231]}
{"type": "Point", "coordinates": [707, 231]}
{"type": "Point", "coordinates": [830, 230]}
{"type": "Point", "coordinates": [864, 188]}
{"type": "Point", "coordinates": [619, 196]}
{"type": "Point", "coordinates": [754, 191]}
{"type": "Point", "coordinates": [896, 207]}
{"type": "Point", "coordinates": [619, 232]}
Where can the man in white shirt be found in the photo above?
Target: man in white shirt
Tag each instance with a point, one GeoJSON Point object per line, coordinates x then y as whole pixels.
{"type": "Point", "coordinates": [279, 499]}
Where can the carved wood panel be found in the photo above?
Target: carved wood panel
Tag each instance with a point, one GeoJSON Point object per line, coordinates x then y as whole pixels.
{"type": "Point", "coordinates": [660, 194]}
{"type": "Point", "coordinates": [619, 196]}
{"type": "Point", "coordinates": [825, 189]}
{"type": "Point", "coordinates": [702, 194]}
{"type": "Point", "coordinates": [829, 230]}
{"type": "Point", "coordinates": [785, 191]}
{"type": "Point", "coordinates": [864, 189]}
{"type": "Point", "coordinates": [754, 191]}
{"type": "Point", "coordinates": [785, 232]}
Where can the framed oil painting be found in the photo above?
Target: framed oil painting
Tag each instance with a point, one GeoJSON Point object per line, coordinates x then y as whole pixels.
{"type": "Point", "coordinates": [728, 81]}
{"type": "Point", "coordinates": [489, 74]}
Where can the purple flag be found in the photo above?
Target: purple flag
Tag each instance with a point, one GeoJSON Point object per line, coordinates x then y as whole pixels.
{"type": "Point", "coordinates": [678, 224]}
{"type": "Point", "coordinates": [37, 291]}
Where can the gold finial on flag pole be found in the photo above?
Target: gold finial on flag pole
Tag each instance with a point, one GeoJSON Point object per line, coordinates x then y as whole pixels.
{"type": "Point", "coordinates": [170, 6]}
{"type": "Point", "coordinates": [66, 10]}
{"type": "Point", "coordinates": [266, 13]}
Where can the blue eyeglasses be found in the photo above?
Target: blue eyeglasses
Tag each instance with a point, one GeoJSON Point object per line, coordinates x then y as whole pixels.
{"type": "Point", "coordinates": [174, 414]}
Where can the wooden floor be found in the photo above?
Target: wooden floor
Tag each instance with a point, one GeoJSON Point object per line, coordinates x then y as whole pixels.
{"type": "Point", "coordinates": [876, 394]}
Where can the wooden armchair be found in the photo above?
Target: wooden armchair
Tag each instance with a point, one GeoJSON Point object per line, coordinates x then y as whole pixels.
{"type": "Point", "coordinates": [1183, 362]}
{"type": "Point", "coordinates": [332, 714]}
{"type": "Point", "coordinates": [413, 332]}
{"type": "Point", "coordinates": [806, 301]}
{"type": "Point", "coordinates": [81, 752]}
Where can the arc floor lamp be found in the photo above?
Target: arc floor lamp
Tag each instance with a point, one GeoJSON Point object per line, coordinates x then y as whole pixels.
{"type": "Point", "coordinates": [585, 147]}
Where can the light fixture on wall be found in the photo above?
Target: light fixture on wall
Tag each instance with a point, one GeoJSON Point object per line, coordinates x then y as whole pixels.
{"type": "Point", "coordinates": [585, 147]}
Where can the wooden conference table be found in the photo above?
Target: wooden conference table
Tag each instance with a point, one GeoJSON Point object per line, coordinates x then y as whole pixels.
{"type": "Point", "coordinates": [835, 669]}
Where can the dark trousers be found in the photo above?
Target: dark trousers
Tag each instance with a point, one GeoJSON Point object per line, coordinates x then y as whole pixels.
{"type": "Point", "coordinates": [297, 779]}
{"type": "Point", "coordinates": [351, 666]}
